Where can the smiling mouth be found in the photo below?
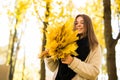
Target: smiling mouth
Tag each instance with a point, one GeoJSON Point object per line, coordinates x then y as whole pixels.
{"type": "Point", "coordinates": [79, 29]}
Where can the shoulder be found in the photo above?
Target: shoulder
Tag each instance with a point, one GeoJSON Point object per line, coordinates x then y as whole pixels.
{"type": "Point", "coordinates": [95, 53]}
{"type": "Point", "coordinates": [97, 48]}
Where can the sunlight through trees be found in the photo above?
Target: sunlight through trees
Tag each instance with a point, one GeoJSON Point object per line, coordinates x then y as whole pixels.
{"type": "Point", "coordinates": [22, 26]}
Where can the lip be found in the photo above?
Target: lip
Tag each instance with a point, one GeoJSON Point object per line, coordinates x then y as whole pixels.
{"type": "Point", "coordinates": [79, 28]}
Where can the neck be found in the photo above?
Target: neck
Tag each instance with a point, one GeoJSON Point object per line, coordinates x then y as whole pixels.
{"type": "Point", "coordinates": [81, 36]}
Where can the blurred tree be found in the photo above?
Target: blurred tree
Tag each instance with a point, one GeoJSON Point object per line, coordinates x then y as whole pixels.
{"type": "Point", "coordinates": [50, 12]}
{"type": "Point", "coordinates": [42, 63]}
{"type": "Point", "coordinates": [109, 41]}
{"type": "Point", "coordinates": [118, 6]}
{"type": "Point", "coordinates": [15, 38]}
{"type": "Point", "coordinates": [45, 23]}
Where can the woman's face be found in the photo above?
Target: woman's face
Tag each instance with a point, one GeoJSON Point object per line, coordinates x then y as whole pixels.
{"type": "Point", "coordinates": [79, 25]}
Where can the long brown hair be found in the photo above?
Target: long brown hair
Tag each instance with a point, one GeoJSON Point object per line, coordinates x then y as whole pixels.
{"type": "Point", "coordinates": [93, 42]}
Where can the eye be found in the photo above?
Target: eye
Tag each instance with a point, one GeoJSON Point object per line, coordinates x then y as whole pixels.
{"type": "Point", "coordinates": [82, 22]}
{"type": "Point", "coordinates": [76, 23]}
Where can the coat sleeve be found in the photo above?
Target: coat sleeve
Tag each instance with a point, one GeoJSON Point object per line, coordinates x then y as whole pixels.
{"type": "Point", "coordinates": [51, 64]}
{"type": "Point", "coordinates": [89, 69]}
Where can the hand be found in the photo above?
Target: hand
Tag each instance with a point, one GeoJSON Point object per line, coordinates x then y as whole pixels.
{"type": "Point", "coordinates": [67, 60]}
{"type": "Point", "coordinates": [43, 54]}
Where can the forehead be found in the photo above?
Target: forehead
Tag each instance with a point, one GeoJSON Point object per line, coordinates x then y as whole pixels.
{"type": "Point", "coordinates": [79, 18]}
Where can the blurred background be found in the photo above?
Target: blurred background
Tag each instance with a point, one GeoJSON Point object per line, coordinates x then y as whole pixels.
{"type": "Point", "coordinates": [22, 38]}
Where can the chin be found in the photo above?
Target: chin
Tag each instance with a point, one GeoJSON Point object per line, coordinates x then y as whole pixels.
{"type": "Point", "coordinates": [79, 33]}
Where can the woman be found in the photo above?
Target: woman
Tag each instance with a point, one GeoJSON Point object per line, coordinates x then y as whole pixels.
{"type": "Point", "coordinates": [85, 66]}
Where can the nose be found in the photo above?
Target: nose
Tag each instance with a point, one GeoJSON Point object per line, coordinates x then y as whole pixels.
{"type": "Point", "coordinates": [79, 25]}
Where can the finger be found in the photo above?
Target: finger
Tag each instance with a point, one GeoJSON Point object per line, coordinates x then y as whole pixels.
{"type": "Point", "coordinates": [43, 54]}
{"type": "Point", "coordinates": [63, 59]}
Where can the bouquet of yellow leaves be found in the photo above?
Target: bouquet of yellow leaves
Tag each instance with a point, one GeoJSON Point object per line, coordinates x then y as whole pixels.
{"type": "Point", "coordinates": [61, 41]}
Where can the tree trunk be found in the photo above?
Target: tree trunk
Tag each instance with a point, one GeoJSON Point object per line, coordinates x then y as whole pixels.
{"type": "Point", "coordinates": [11, 57]}
{"type": "Point", "coordinates": [42, 63]}
{"type": "Point", "coordinates": [109, 41]}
